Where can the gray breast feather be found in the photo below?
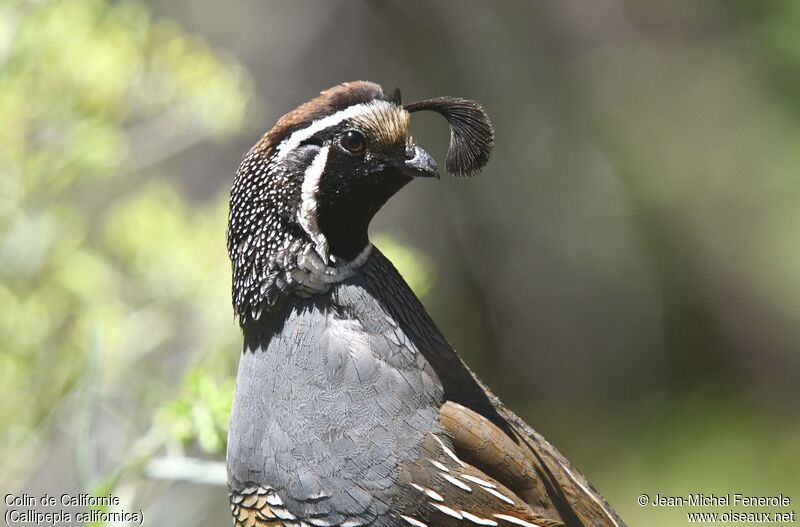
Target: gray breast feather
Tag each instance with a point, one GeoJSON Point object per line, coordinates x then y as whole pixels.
{"type": "Point", "coordinates": [327, 409]}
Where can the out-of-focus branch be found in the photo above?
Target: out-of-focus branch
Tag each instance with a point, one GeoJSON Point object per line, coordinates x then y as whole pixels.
{"type": "Point", "coordinates": [187, 469]}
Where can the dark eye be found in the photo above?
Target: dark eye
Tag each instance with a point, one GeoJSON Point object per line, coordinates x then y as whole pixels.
{"type": "Point", "coordinates": [354, 142]}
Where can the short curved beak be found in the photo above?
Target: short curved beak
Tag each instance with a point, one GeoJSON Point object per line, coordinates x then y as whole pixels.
{"type": "Point", "coordinates": [420, 164]}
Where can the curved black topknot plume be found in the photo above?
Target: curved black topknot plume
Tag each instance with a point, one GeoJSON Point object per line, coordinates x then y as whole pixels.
{"type": "Point", "coordinates": [395, 97]}
{"type": "Point", "coordinates": [471, 133]}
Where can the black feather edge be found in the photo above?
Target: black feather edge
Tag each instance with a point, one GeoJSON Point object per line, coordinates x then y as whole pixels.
{"type": "Point", "coordinates": [471, 133]}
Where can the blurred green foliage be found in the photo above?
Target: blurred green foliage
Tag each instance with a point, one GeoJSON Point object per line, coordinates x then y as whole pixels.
{"type": "Point", "coordinates": [200, 413]}
{"type": "Point", "coordinates": [103, 263]}
{"type": "Point", "coordinates": [774, 24]}
{"type": "Point", "coordinates": [416, 267]}
{"type": "Point", "coordinates": [111, 279]}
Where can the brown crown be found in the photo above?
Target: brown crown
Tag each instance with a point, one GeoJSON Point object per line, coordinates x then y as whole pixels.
{"type": "Point", "coordinates": [326, 103]}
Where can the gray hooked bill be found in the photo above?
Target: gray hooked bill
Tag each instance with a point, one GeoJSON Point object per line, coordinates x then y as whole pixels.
{"type": "Point", "coordinates": [421, 164]}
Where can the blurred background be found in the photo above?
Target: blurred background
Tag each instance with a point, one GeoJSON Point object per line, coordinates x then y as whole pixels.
{"type": "Point", "coordinates": [625, 273]}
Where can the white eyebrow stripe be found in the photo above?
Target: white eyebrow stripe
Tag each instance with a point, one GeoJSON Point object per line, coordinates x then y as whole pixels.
{"type": "Point", "coordinates": [292, 142]}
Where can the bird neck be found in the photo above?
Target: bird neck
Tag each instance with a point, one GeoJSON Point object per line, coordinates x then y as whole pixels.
{"type": "Point", "coordinates": [347, 235]}
{"type": "Point", "coordinates": [345, 208]}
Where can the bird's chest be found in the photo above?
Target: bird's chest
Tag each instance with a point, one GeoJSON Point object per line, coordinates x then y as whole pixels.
{"type": "Point", "coordinates": [327, 411]}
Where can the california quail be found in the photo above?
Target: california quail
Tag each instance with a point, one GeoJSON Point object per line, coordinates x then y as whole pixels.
{"type": "Point", "coordinates": [350, 407]}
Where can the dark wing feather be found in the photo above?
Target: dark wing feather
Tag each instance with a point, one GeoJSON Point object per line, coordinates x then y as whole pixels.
{"type": "Point", "coordinates": [530, 466]}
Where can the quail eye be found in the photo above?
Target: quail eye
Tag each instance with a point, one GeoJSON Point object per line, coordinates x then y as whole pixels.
{"type": "Point", "coordinates": [354, 142]}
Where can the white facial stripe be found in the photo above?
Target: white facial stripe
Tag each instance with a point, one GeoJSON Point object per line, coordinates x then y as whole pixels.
{"type": "Point", "coordinates": [307, 215]}
{"type": "Point", "coordinates": [291, 142]}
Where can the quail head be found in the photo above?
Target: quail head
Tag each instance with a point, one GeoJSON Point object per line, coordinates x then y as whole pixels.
{"type": "Point", "coordinates": [351, 409]}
